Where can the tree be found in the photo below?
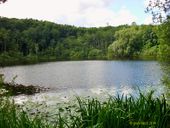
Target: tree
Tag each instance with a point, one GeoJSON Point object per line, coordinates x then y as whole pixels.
{"type": "Point", "coordinates": [4, 39]}
{"type": "Point", "coordinates": [164, 39]}
{"type": "Point", "coordinates": [128, 43]}
{"type": "Point", "coordinates": [95, 54]}
{"type": "Point", "coordinates": [160, 9]}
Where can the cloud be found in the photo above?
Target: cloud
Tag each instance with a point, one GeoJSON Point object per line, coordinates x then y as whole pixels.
{"type": "Point", "coordinates": [85, 13]}
{"type": "Point", "coordinates": [148, 20]}
{"type": "Point", "coordinates": [146, 3]}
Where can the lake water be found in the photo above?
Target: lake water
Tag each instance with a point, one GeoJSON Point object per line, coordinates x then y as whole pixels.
{"type": "Point", "coordinates": [89, 77]}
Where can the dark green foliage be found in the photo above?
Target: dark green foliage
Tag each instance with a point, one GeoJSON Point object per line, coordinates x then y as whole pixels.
{"type": "Point", "coordinates": [28, 41]}
{"type": "Point", "coordinates": [164, 39]}
{"type": "Point", "coordinates": [95, 54]}
{"type": "Point", "coordinates": [32, 41]}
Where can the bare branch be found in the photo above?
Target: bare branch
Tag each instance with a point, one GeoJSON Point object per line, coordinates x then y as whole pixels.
{"type": "Point", "coordinates": [160, 10]}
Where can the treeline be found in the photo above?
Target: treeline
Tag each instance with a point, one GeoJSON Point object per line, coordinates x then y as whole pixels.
{"type": "Point", "coordinates": [30, 41]}
{"type": "Point", "coordinates": [145, 41]}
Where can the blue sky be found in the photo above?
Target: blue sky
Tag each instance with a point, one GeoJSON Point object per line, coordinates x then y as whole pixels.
{"type": "Point", "coordinates": [85, 13]}
{"type": "Point", "coordinates": [136, 7]}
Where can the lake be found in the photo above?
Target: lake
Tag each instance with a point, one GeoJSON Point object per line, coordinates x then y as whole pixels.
{"type": "Point", "coordinates": [89, 77]}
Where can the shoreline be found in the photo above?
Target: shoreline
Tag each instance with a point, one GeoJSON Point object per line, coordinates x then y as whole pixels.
{"type": "Point", "coordinates": [18, 89]}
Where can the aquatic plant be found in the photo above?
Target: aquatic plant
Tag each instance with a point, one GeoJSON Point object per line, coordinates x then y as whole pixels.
{"type": "Point", "coordinates": [115, 112]}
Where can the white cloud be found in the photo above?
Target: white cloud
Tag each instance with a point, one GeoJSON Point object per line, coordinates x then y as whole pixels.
{"type": "Point", "coordinates": [75, 12]}
{"type": "Point", "coordinates": [148, 20]}
{"type": "Point", "coordinates": [146, 3]}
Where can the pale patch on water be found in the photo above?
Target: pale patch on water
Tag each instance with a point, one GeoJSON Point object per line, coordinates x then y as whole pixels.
{"type": "Point", "coordinates": [98, 91]}
{"type": "Point", "coordinates": [50, 104]}
{"type": "Point", "coordinates": [101, 93]}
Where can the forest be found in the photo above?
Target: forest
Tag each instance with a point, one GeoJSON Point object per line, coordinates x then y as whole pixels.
{"type": "Point", "coordinates": [29, 41]}
{"type": "Point", "coordinates": [24, 41]}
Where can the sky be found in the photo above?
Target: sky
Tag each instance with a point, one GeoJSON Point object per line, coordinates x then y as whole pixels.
{"type": "Point", "coordinates": [84, 13]}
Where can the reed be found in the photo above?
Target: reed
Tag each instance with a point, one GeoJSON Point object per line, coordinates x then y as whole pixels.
{"type": "Point", "coordinates": [116, 112]}
{"type": "Point", "coordinates": [13, 117]}
{"type": "Point", "coordinates": [123, 112]}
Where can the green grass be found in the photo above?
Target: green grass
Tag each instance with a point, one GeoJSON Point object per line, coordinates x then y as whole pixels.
{"type": "Point", "coordinates": [123, 112]}
{"type": "Point", "coordinates": [13, 117]}
{"type": "Point", "coordinates": [144, 111]}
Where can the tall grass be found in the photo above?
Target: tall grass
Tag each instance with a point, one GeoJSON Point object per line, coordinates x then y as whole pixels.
{"type": "Point", "coordinates": [122, 111]}
{"type": "Point", "coordinates": [13, 117]}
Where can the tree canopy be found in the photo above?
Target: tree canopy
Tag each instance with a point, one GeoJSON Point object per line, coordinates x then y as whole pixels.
{"type": "Point", "coordinates": [160, 10]}
{"type": "Point", "coordinates": [30, 41]}
{"type": "Point", "coordinates": [134, 41]}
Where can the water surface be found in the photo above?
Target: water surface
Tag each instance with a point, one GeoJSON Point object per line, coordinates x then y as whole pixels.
{"type": "Point", "coordinates": [89, 76]}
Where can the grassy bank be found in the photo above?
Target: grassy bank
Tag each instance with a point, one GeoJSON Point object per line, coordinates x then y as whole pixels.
{"type": "Point", "coordinates": [116, 112]}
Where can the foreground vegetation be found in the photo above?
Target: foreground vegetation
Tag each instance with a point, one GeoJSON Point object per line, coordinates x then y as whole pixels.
{"type": "Point", "coordinates": [118, 112]}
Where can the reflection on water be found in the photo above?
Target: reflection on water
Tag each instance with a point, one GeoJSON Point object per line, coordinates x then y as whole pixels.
{"type": "Point", "coordinates": [85, 74]}
{"type": "Point", "coordinates": [166, 79]}
{"type": "Point", "coordinates": [84, 77]}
